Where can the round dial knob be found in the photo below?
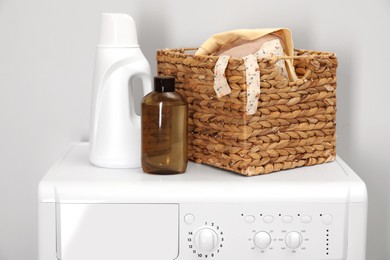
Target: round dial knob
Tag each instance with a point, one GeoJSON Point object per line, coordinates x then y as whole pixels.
{"type": "Point", "coordinates": [262, 239]}
{"type": "Point", "coordinates": [206, 240]}
{"type": "Point", "coordinates": [293, 239]}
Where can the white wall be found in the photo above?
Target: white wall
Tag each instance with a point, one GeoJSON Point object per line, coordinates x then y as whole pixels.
{"type": "Point", "coordinates": [46, 61]}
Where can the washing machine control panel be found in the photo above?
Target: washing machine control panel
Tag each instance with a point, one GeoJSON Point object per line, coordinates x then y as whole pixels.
{"type": "Point", "coordinates": [237, 231]}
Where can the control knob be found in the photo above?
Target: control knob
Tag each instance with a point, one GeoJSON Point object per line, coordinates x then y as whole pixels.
{"type": "Point", "coordinates": [293, 239]}
{"type": "Point", "coordinates": [262, 240]}
{"type": "Point", "coordinates": [206, 240]}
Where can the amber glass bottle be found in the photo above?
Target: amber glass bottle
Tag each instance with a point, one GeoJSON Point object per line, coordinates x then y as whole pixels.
{"type": "Point", "coordinates": [164, 129]}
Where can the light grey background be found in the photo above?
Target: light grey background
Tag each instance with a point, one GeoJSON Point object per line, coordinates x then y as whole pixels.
{"type": "Point", "coordinates": [46, 61]}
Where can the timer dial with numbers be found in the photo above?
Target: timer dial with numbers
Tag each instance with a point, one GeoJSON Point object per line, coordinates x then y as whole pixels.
{"type": "Point", "coordinates": [206, 241]}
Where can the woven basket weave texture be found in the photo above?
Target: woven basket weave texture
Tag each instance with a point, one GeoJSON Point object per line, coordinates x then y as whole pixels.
{"type": "Point", "coordinates": [295, 123]}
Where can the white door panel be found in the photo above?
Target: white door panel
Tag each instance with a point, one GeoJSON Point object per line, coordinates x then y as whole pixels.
{"type": "Point", "coordinates": [117, 231]}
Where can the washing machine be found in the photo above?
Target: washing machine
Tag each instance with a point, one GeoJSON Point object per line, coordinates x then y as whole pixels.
{"type": "Point", "coordinates": [307, 213]}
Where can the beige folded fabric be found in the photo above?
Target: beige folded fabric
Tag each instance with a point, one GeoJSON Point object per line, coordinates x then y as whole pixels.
{"type": "Point", "coordinates": [242, 48]}
{"type": "Point", "coordinates": [243, 42]}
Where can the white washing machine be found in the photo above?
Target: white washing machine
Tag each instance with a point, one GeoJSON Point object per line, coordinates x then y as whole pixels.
{"type": "Point", "coordinates": [309, 213]}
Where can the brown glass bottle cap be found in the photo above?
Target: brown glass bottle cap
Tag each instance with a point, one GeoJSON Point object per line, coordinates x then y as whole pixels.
{"type": "Point", "coordinates": [164, 84]}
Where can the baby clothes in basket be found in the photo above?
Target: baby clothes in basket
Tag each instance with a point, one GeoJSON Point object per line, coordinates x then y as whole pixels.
{"type": "Point", "coordinates": [249, 45]}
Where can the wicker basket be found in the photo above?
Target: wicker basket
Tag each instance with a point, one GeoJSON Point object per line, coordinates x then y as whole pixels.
{"type": "Point", "coordinates": [294, 124]}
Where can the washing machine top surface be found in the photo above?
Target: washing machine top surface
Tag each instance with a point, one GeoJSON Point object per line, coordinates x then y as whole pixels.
{"type": "Point", "coordinates": [73, 179]}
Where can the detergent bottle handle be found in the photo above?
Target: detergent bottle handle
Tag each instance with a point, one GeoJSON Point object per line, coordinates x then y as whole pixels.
{"type": "Point", "coordinates": [143, 73]}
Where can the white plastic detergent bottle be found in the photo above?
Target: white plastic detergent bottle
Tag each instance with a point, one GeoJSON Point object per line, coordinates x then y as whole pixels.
{"type": "Point", "coordinates": [115, 130]}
